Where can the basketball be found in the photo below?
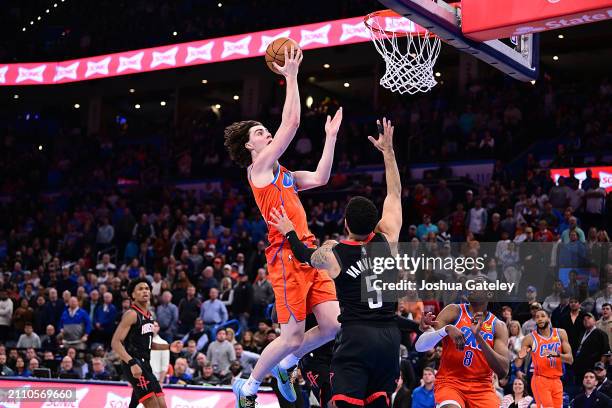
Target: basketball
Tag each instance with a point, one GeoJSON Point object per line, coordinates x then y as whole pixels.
{"type": "Point", "coordinates": [276, 52]}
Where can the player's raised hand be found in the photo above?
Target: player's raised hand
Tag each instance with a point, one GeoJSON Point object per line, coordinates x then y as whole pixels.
{"type": "Point", "coordinates": [280, 220]}
{"type": "Point", "coordinates": [293, 59]}
{"type": "Point", "coordinates": [477, 321]}
{"type": "Point", "coordinates": [333, 125]}
{"type": "Point", "coordinates": [456, 336]}
{"type": "Point", "coordinates": [523, 352]}
{"type": "Point", "coordinates": [427, 321]}
{"type": "Point", "coordinates": [384, 143]}
{"type": "Point", "coordinates": [176, 346]}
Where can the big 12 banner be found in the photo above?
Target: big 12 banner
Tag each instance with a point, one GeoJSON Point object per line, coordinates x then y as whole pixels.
{"type": "Point", "coordinates": [116, 395]}
{"type": "Point", "coordinates": [603, 173]}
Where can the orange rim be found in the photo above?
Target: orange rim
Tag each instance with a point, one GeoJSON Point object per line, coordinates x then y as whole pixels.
{"type": "Point", "coordinates": [420, 31]}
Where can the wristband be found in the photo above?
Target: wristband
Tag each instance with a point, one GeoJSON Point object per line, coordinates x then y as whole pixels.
{"type": "Point", "coordinates": [442, 332]}
{"type": "Point", "coordinates": [132, 362]}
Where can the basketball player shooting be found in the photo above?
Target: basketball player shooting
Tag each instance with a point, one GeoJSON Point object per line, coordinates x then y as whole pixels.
{"type": "Point", "coordinates": [549, 349]}
{"type": "Point", "coordinates": [365, 362]}
{"type": "Point", "coordinates": [298, 289]}
{"type": "Point", "coordinates": [133, 342]}
{"type": "Point", "coordinates": [474, 345]}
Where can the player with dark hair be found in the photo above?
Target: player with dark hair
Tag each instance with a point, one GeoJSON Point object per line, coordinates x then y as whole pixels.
{"type": "Point", "coordinates": [365, 361]}
{"type": "Point", "coordinates": [133, 342]}
{"type": "Point", "coordinates": [474, 345]}
{"type": "Point", "coordinates": [298, 289]}
{"type": "Point", "coordinates": [549, 348]}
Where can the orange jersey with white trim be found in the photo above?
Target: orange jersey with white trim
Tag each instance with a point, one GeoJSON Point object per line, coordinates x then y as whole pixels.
{"type": "Point", "coordinates": [282, 191]}
{"type": "Point", "coordinates": [469, 364]}
{"type": "Point", "coordinates": [551, 367]}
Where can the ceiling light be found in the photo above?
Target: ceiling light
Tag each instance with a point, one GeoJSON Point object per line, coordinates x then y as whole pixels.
{"type": "Point", "coordinates": [38, 18]}
{"type": "Point", "coordinates": [15, 96]}
{"type": "Point", "coordinates": [236, 97]}
{"type": "Point", "coordinates": [137, 106]}
{"type": "Point", "coordinates": [346, 84]}
{"type": "Point", "coordinates": [40, 147]}
{"type": "Point", "coordinates": [326, 66]}
{"type": "Point", "coordinates": [54, 4]}
{"type": "Point", "coordinates": [533, 82]}
{"type": "Point", "coordinates": [555, 58]}
{"type": "Point", "coordinates": [163, 103]}
{"type": "Point", "coordinates": [47, 11]}
{"type": "Point", "coordinates": [132, 90]}
{"type": "Point", "coordinates": [174, 33]}
{"type": "Point", "coordinates": [31, 22]}
{"type": "Point", "coordinates": [219, 4]}
{"type": "Point", "coordinates": [23, 29]}
{"type": "Point", "coordinates": [205, 81]}
{"type": "Point", "coordinates": [217, 106]}
{"type": "Point", "coordinates": [309, 102]}
{"type": "Point", "coordinates": [438, 74]}
{"type": "Point", "coordinates": [560, 36]}
{"type": "Point", "coordinates": [77, 106]}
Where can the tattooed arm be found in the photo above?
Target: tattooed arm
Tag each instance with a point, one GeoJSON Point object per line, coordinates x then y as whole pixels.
{"type": "Point", "coordinates": [324, 258]}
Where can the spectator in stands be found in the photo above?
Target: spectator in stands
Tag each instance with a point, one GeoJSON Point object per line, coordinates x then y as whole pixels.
{"type": "Point", "coordinates": [558, 195]}
{"type": "Point", "coordinates": [208, 376]}
{"type": "Point", "coordinates": [5, 370]}
{"type": "Point", "coordinates": [167, 316]}
{"type": "Point", "coordinates": [605, 323]}
{"type": "Point", "coordinates": [53, 308]}
{"type": "Point", "coordinates": [6, 315]}
{"type": "Point", "coordinates": [263, 295]}
{"type": "Point", "coordinates": [426, 227]}
{"type": "Point", "coordinates": [29, 338]}
{"type": "Point", "coordinates": [552, 301]}
{"type": "Point", "coordinates": [595, 203]}
{"type": "Point", "coordinates": [159, 358]}
{"type": "Point", "coordinates": [189, 309]}
{"type": "Point", "coordinates": [181, 375]}
{"type": "Point", "coordinates": [423, 396]}
{"type": "Point", "coordinates": [507, 314]}
{"type": "Point", "coordinates": [98, 370]}
{"type": "Point", "coordinates": [242, 305]}
{"type": "Point", "coordinates": [573, 323]}
{"type": "Point", "coordinates": [33, 364]}
{"type": "Point", "coordinates": [604, 384]}
{"type": "Point", "coordinates": [67, 369]}
{"type": "Point", "coordinates": [207, 281]}
{"type": "Point", "coordinates": [24, 313]}
{"type": "Point", "coordinates": [530, 325]}
{"type": "Point", "coordinates": [593, 345]}
{"type": "Point", "coordinates": [544, 234]}
{"type": "Point", "coordinates": [247, 359]}
{"type": "Point", "coordinates": [105, 320]}
{"type": "Point", "coordinates": [20, 368]}
{"type": "Point", "coordinates": [519, 398]}
{"type": "Point", "coordinates": [197, 334]}
{"type": "Point", "coordinates": [515, 338]}
{"type": "Point", "coordinates": [523, 311]}
{"type": "Point", "coordinates": [221, 353]}
{"type": "Point", "coordinates": [573, 226]}
{"type": "Point", "coordinates": [248, 342]}
{"type": "Point", "coordinates": [591, 398]}
{"type": "Point", "coordinates": [477, 220]}
{"type": "Point", "coordinates": [213, 311]}
{"type": "Point", "coordinates": [74, 325]}
{"type": "Point", "coordinates": [49, 339]}
{"type": "Point", "coordinates": [605, 298]}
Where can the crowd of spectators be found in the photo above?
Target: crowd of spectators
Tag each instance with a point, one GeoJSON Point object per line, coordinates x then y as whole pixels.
{"type": "Point", "coordinates": [66, 257]}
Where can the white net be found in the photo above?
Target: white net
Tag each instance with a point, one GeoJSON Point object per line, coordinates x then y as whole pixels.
{"type": "Point", "coordinates": [410, 52]}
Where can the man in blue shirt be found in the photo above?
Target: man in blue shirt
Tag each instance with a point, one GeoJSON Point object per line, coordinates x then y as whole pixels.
{"type": "Point", "coordinates": [423, 396]}
{"type": "Point", "coordinates": [167, 317]}
{"type": "Point", "coordinates": [213, 311]}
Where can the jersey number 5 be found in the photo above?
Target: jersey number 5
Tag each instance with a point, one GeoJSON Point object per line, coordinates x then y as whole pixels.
{"type": "Point", "coordinates": [373, 303]}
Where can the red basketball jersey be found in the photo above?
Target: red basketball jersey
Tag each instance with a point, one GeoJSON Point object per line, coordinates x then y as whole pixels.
{"type": "Point", "coordinates": [551, 367]}
{"type": "Point", "coordinates": [469, 364]}
{"type": "Point", "coordinates": [282, 191]}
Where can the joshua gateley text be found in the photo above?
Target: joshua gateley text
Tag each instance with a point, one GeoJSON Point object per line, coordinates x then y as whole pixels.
{"type": "Point", "coordinates": [470, 284]}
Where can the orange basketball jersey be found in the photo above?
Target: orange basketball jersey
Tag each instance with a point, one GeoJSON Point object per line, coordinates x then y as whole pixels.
{"type": "Point", "coordinates": [469, 364]}
{"type": "Point", "coordinates": [551, 367]}
{"type": "Point", "coordinates": [282, 191]}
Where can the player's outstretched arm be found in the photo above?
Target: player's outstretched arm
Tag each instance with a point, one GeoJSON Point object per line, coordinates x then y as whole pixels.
{"type": "Point", "coordinates": [324, 258]}
{"type": "Point", "coordinates": [291, 114]}
{"type": "Point", "coordinates": [566, 349]}
{"type": "Point", "coordinates": [280, 221]}
{"type": "Point", "coordinates": [526, 346]}
{"type": "Point", "coordinates": [440, 328]}
{"type": "Point", "coordinates": [127, 321]}
{"type": "Point", "coordinates": [498, 356]}
{"type": "Point", "coordinates": [391, 222]}
{"type": "Point", "coordinates": [175, 346]}
{"type": "Point", "coordinates": [310, 179]}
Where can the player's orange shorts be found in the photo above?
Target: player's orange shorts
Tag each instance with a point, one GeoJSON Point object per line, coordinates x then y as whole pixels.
{"type": "Point", "coordinates": [297, 287]}
{"type": "Point", "coordinates": [465, 394]}
{"type": "Point", "coordinates": [547, 392]}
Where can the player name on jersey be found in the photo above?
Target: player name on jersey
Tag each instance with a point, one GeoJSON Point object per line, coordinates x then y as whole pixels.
{"type": "Point", "coordinates": [470, 284]}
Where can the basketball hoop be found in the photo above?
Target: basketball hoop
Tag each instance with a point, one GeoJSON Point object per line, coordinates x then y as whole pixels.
{"type": "Point", "coordinates": [409, 67]}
